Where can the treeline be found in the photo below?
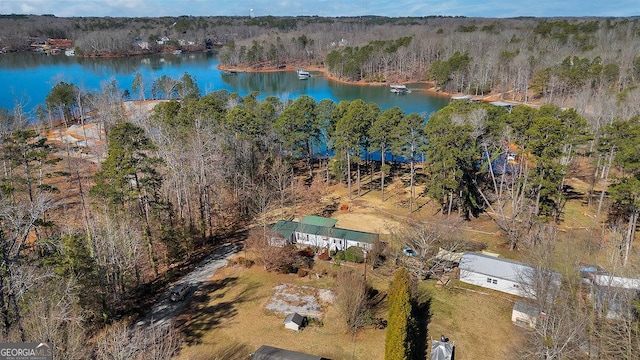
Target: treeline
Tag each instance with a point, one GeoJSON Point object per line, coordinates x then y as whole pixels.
{"type": "Point", "coordinates": [197, 169]}
{"type": "Point", "coordinates": [585, 63]}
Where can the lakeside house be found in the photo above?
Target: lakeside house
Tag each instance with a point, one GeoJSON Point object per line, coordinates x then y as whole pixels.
{"type": "Point", "coordinates": [320, 232]}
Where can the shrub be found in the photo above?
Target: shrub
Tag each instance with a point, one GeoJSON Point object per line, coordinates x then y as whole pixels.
{"type": "Point", "coordinates": [354, 254]}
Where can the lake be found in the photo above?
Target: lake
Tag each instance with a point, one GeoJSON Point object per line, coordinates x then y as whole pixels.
{"type": "Point", "coordinates": [27, 78]}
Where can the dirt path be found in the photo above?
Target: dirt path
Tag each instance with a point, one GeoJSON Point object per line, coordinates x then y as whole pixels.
{"type": "Point", "coordinates": [165, 309]}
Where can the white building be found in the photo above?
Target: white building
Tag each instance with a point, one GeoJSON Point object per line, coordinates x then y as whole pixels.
{"type": "Point", "coordinates": [614, 295]}
{"type": "Point", "coordinates": [294, 321]}
{"type": "Point", "coordinates": [321, 232]}
{"type": "Point", "coordinates": [525, 315]}
{"type": "Point", "coordinates": [498, 274]}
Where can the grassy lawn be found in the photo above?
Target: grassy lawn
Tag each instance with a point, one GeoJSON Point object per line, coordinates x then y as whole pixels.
{"type": "Point", "coordinates": [476, 320]}
{"type": "Point", "coordinates": [228, 320]}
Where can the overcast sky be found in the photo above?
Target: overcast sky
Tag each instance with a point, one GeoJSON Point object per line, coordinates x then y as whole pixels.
{"type": "Point", "coordinates": [393, 8]}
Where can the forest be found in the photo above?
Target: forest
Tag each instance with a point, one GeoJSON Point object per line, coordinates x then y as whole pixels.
{"type": "Point", "coordinates": [92, 244]}
{"type": "Point", "coordinates": [173, 183]}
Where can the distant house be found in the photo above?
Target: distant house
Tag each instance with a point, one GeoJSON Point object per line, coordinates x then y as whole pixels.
{"type": "Point", "coordinates": [273, 353]}
{"type": "Point", "coordinates": [294, 321]}
{"type": "Point", "coordinates": [613, 295]}
{"type": "Point", "coordinates": [498, 274]}
{"type": "Point", "coordinates": [320, 232]}
{"type": "Point", "coordinates": [503, 104]}
{"type": "Point", "coordinates": [163, 40]}
{"type": "Point", "coordinates": [142, 45]}
{"type": "Point", "coordinates": [525, 315]}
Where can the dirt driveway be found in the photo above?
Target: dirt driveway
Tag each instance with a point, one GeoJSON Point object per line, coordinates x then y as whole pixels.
{"type": "Point", "coordinates": [165, 310]}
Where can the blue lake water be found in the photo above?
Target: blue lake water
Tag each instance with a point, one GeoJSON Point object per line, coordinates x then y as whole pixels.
{"type": "Point", "coordinates": [27, 78]}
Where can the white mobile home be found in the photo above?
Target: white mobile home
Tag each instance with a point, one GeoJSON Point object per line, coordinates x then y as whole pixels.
{"type": "Point", "coordinates": [321, 232]}
{"type": "Point", "coordinates": [495, 273]}
{"type": "Point", "coordinates": [614, 295]}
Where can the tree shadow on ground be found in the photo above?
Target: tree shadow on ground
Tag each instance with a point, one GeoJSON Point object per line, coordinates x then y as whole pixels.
{"type": "Point", "coordinates": [422, 314]}
{"type": "Point", "coordinates": [209, 311]}
{"type": "Point", "coordinates": [572, 194]}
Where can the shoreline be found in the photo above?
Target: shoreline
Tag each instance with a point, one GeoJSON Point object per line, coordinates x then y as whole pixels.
{"type": "Point", "coordinates": [429, 86]}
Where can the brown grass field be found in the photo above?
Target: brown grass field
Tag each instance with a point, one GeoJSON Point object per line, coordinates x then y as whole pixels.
{"type": "Point", "coordinates": [228, 320]}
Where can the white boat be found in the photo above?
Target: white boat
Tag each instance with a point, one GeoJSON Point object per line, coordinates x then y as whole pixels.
{"type": "Point", "coordinates": [303, 75]}
{"type": "Point", "coordinates": [400, 89]}
{"type": "Point", "coordinates": [177, 52]}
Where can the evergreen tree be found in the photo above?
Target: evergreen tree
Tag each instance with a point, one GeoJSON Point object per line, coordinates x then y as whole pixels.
{"type": "Point", "coordinates": [129, 183]}
{"type": "Point", "coordinates": [299, 128]}
{"type": "Point", "coordinates": [380, 134]}
{"type": "Point", "coordinates": [399, 342]}
{"type": "Point", "coordinates": [63, 97]}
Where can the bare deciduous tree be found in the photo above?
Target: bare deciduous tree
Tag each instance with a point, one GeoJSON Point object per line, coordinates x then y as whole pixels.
{"type": "Point", "coordinates": [120, 342]}
{"type": "Point", "coordinates": [352, 300]}
{"type": "Point", "coordinates": [427, 240]}
{"type": "Point", "coordinates": [275, 257]}
{"type": "Point", "coordinates": [561, 328]}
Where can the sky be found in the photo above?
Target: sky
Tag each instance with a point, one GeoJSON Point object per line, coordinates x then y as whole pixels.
{"type": "Point", "coordinates": [394, 8]}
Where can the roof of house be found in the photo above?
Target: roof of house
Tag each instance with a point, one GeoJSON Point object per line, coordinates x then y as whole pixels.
{"type": "Point", "coordinates": [501, 103]}
{"type": "Point", "coordinates": [273, 353]}
{"type": "Point", "coordinates": [616, 282]}
{"type": "Point", "coordinates": [495, 267]}
{"type": "Point", "coordinates": [287, 228]}
{"type": "Point", "coordinates": [294, 318]}
{"type": "Point", "coordinates": [526, 308]}
{"type": "Point", "coordinates": [318, 220]}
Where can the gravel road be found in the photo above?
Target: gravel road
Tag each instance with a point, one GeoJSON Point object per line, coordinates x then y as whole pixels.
{"type": "Point", "coordinates": [165, 309]}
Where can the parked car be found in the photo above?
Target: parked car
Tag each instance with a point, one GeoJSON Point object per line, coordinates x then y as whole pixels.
{"type": "Point", "coordinates": [409, 252]}
{"type": "Point", "coordinates": [179, 292]}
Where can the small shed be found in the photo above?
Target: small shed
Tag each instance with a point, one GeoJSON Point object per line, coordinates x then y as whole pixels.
{"type": "Point", "coordinates": [294, 321]}
{"type": "Point", "coordinates": [525, 315]}
{"type": "Point", "coordinates": [273, 353]}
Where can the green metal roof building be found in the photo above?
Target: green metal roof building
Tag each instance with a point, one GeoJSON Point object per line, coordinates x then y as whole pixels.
{"type": "Point", "coordinates": [318, 231]}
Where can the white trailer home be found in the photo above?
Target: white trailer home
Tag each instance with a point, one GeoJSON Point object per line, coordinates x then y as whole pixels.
{"type": "Point", "coordinates": [503, 275]}
{"type": "Point", "coordinates": [321, 232]}
{"type": "Point", "coordinates": [614, 296]}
